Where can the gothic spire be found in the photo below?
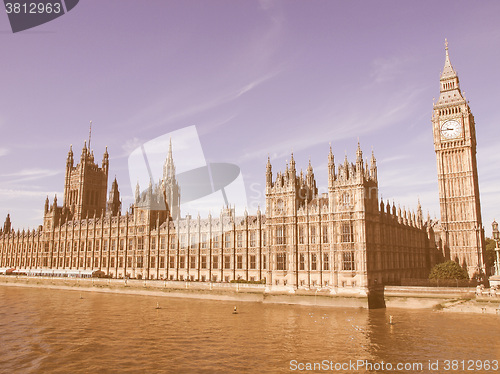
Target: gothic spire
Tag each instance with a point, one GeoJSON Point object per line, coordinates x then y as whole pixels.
{"type": "Point", "coordinates": [450, 93]}
{"type": "Point", "coordinates": [359, 154]}
{"type": "Point", "coordinates": [269, 174]}
{"type": "Point", "coordinates": [331, 166]}
{"type": "Point", "coordinates": [90, 132]}
{"type": "Point", "coordinates": [311, 183]}
{"type": "Point", "coordinates": [373, 167]}
{"type": "Point", "coordinates": [419, 215]}
{"type": "Point", "coordinates": [448, 71]}
{"type": "Point", "coordinates": [105, 161]}
{"type": "Point", "coordinates": [69, 160]}
{"type": "Point", "coordinates": [137, 192]}
{"type": "Point", "coordinates": [169, 167]}
{"type": "Point", "coordinates": [7, 224]}
{"type": "Point", "coordinates": [84, 151]}
{"type": "Point", "coordinates": [330, 155]}
{"type": "Point", "coordinates": [309, 168]}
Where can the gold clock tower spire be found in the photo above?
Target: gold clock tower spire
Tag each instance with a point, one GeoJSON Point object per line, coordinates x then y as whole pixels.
{"type": "Point", "coordinates": [455, 145]}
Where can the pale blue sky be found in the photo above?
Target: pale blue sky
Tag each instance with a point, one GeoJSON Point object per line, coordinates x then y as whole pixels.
{"type": "Point", "coordinates": [256, 78]}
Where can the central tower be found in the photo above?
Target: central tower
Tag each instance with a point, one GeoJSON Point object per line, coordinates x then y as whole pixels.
{"type": "Point", "coordinates": [455, 145]}
{"type": "Point", "coordinates": [85, 184]}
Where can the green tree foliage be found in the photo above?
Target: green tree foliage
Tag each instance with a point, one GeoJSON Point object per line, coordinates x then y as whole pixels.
{"type": "Point", "coordinates": [490, 244]}
{"type": "Point", "coordinates": [489, 254]}
{"type": "Point", "coordinates": [448, 270]}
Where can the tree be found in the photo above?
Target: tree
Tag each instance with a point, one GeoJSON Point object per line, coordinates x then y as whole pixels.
{"type": "Point", "coordinates": [448, 270]}
{"type": "Point", "coordinates": [489, 254]}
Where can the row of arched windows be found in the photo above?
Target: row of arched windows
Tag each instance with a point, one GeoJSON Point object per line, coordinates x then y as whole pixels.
{"type": "Point", "coordinates": [447, 111]}
{"type": "Point", "coordinates": [448, 86]}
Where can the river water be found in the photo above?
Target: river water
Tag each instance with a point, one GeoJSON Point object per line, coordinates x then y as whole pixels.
{"type": "Point", "coordinates": [56, 331]}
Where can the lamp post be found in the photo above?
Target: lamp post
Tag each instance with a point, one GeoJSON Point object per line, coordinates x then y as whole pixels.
{"type": "Point", "coordinates": [496, 237]}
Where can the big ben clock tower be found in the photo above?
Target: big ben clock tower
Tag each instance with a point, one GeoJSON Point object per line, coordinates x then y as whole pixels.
{"type": "Point", "coordinates": [455, 145]}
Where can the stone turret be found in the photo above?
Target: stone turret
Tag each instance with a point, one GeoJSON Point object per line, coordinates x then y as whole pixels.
{"type": "Point", "coordinates": [359, 160]}
{"type": "Point", "coordinates": [7, 224]}
{"type": "Point", "coordinates": [331, 167]}
{"type": "Point", "coordinates": [114, 203]}
{"type": "Point", "coordinates": [373, 167]}
{"type": "Point", "coordinates": [269, 173]}
{"type": "Point", "coordinates": [310, 181]}
{"type": "Point", "coordinates": [105, 162]}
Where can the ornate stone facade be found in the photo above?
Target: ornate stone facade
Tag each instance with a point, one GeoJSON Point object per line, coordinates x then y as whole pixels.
{"type": "Point", "coordinates": [344, 239]}
{"type": "Point", "coordinates": [347, 239]}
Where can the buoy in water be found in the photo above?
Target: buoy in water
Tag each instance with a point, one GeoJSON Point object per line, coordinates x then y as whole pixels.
{"type": "Point", "coordinates": [391, 320]}
{"type": "Point", "coordinates": [81, 296]}
{"type": "Point", "coordinates": [157, 306]}
{"type": "Point", "coordinates": [235, 311]}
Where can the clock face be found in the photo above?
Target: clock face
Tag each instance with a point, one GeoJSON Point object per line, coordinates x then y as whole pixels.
{"type": "Point", "coordinates": [450, 129]}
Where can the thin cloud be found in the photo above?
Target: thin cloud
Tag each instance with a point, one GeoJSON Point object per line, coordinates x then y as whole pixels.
{"type": "Point", "coordinates": [31, 173]}
{"type": "Point", "coordinates": [28, 175]}
{"type": "Point", "coordinates": [352, 125]}
{"type": "Point", "coordinates": [250, 86]}
{"type": "Point", "coordinates": [222, 99]}
{"type": "Point", "coordinates": [210, 126]}
{"type": "Point", "coordinates": [16, 193]}
{"type": "Point", "coordinates": [392, 159]}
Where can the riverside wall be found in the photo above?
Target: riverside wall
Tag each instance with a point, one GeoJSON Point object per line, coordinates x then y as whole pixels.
{"type": "Point", "coordinates": [437, 298]}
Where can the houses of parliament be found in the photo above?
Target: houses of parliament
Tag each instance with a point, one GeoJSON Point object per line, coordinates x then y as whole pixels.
{"type": "Point", "coordinates": [347, 239]}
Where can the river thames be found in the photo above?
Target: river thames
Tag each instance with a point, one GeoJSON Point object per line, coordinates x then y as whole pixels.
{"type": "Point", "coordinates": [58, 331]}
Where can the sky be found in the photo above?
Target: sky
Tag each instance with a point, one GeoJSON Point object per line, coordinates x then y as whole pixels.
{"type": "Point", "coordinates": [256, 79]}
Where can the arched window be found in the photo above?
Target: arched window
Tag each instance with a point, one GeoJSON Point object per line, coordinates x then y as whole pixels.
{"type": "Point", "coordinates": [281, 261]}
{"type": "Point", "coordinates": [347, 233]}
{"type": "Point", "coordinates": [281, 235]}
{"type": "Point", "coordinates": [280, 206]}
{"type": "Point", "coordinates": [346, 199]}
{"type": "Point", "coordinates": [313, 235]}
{"type": "Point", "coordinates": [348, 261]}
